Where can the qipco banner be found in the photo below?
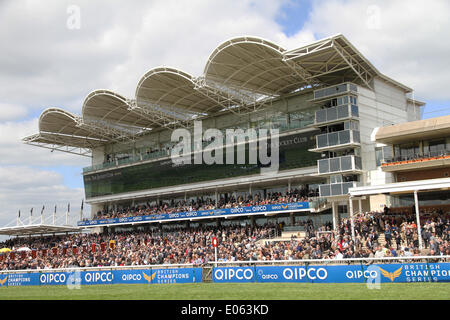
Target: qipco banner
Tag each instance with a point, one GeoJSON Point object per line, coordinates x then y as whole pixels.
{"type": "Point", "coordinates": [19, 279]}
{"type": "Point", "coordinates": [77, 277]}
{"type": "Point", "coordinates": [178, 275]}
{"type": "Point", "coordinates": [390, 273]}
{"type": "Point", "coordinates": [234, 274]}
{"type": "Point", "coordinates": [202, 213]}
{"type": "Point", "coordinates": [80, 277]}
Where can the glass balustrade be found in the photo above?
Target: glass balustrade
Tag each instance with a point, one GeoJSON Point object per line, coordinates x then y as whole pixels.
{"type": "Point", "coordinates": [337, 138]}
{"type": "Point", "coordinates": [336, 189]}
{"type": "Point", "coordinates": [337, 113]}
{"type": "Point", "coordinates": [334, 90]}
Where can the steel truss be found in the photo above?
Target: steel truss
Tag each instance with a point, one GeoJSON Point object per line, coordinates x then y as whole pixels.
{"type": "Point", "coordinates": [242, 75]}
{"type": "Point", "coordinates": [57, 145]}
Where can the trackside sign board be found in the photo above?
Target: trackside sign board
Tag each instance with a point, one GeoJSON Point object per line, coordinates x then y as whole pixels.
{"type": "Point", "coordinates": [390, 273]}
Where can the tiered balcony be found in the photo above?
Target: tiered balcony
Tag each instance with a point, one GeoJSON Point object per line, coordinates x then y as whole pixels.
{"type": "Point", "coordinates": [337, 165]}
{"type": "Point", "coordinates": [417, 161]}
{"type": "Point", "coordinates": [336, 189]}
{"type": "Point", "coordinates": [336, 114]}
{"type": "Point", "coordinates": [339, 89]}
{"type": "Point", "coordinates": [337, 140]}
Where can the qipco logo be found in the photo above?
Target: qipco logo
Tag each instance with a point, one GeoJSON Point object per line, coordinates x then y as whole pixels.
{"type": "Point", "coordinates": [98, 277]}
{"type": "Point", "coordinates": [233, 274]}
{"type": "Point", "coordinates": [53, 278]}
{"type": "Point", "coordinates": [301, 273]}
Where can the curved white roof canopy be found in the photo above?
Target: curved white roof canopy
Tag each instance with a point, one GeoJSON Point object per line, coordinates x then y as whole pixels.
{"type": "Point", "coordinates": [239, 74]}
{"type": "Point", "coordinates": [61, 130]}
{"type": "Point", "coordinates": [174, 92]}
{"type": "Point", "coordinates": [108, 106]}
{"type": "Point", "coordinates": [252, 64]}
{"type": "Point", "coordinates": [57, 121]}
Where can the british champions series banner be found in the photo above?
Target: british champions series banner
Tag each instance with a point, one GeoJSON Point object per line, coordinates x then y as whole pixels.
{"type": "Point", "coordinates": [143, 276]}
{"type": "Point", "coordinates": [391, 273]}
{"type": "Point", "coordinates": [203, 213]}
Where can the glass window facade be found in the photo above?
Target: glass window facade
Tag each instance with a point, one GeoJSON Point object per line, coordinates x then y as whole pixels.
{"type": "Point", "coordinates": [293, 153]}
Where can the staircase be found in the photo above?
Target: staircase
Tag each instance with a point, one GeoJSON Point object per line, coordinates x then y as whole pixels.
{"type": "Point", "coordinates": [381, 241]}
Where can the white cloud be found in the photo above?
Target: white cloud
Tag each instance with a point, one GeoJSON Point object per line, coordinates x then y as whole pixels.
{"type": "Point", "coordinates": [23, 188]}
{"type": "Point", "coordinates": [45, 64]}
{"type": "Point", "coordinates": [10, 112]}
{"type": "Point", "coordinates": [14, 152]}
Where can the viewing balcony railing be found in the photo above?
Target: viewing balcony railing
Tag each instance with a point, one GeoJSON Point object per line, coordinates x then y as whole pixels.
{"type": "Point", "coordinates": [335, 90]}
{"type": "Point", "coordinates": [428, 156]}
{"type": "Point", "coordinates": [336, 189]}
{"type": "Point", "coordinates": [341, 112]}
{"type": "Point", "coordinates": [337, 138]}
{"type": "Point", "coordinates": [339, 164]}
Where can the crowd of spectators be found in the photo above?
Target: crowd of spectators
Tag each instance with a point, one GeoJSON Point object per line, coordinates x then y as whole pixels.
{"type": "Point", "coordinates": [399, 233]}
{"type": "Point", "coordinates": [134, 248]}
{"type": "Point", "coordinates": [236, 243]}
{"type": "Point", "coordinates": [294, 195]}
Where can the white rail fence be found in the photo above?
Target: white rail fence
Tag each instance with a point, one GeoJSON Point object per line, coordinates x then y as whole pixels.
{"type": "Point", "coordinates": [349, 261]}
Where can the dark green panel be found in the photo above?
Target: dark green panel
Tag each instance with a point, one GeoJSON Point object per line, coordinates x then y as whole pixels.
{"type": "Point", "coordinates": [293, 151]}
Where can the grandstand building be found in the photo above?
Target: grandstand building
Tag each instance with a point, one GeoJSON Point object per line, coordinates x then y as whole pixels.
{"type": "Point", "coordinates": [342, 126]}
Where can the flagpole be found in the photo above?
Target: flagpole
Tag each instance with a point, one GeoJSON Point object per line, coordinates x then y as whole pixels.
{"type": "Point", "coordinates": [81, 210]}
{"type": "Point", "coordinates": [67, 214]}
{"type": "Point", "coordinates": [54, 216]}
{"type": "Point", "coordinates": [42, 215]}
{"type": "Point", "coordinates": [18, 219]}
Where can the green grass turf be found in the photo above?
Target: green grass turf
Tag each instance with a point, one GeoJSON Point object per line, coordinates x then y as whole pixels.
{"type": "Point", "coordinates": [229, 291]}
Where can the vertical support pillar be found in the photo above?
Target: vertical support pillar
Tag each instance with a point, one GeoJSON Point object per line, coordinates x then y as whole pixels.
{"type": "Point", "coordinates": [291, 216]}
{"type": "Point", "coordinates": [360, 205]}
{"type": "Point", "coordinates": [334, 211]}
{"type": "Point", "coordinates": [216, 198]}
{"type": "Point", "coordinates": [352, 222]}
{"type": "Point", "coordinates": [419, 233]}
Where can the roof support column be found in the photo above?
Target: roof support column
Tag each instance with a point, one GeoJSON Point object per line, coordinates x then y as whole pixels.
{"type": "Point", "coordinates": [334, 211]}
{"type": "Point", "coordinates": [352, 222]}
{"type": "Point", "coordinates": [216, 197]}
{"type": "Point", "coordinates": [419, 233]}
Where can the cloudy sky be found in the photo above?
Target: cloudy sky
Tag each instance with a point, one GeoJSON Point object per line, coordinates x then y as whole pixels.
{"type": "Point", "coordinates": [54, 52]}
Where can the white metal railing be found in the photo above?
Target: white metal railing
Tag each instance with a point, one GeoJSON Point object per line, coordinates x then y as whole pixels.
{"type": "Point", "coordinates": [333, 261]}
{"type": "Point", "coordinates": [145, 266]}
{"type": "Point", "coordinates": [382, 260]}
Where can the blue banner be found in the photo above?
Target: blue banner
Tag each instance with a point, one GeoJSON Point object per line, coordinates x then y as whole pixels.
{"type": "Point", "coordinates": [132, 276]}
{"type": "Point", "coordinates": [203, 213]}
{"type": "Point", "coordinates": [176, 275]}
{"type": "Point", "coordinates": [53, 278]}
{"type": "Point", "coordinates": [234, 274]}
{"type": "Point", "coordinates": [21, 279]}
{"type": "Point", "coordinates": [96, 277]}
{"type": "Point", "coordinates": [143, 276]}
{"type": "Point", "coordinates": [389, 273]}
